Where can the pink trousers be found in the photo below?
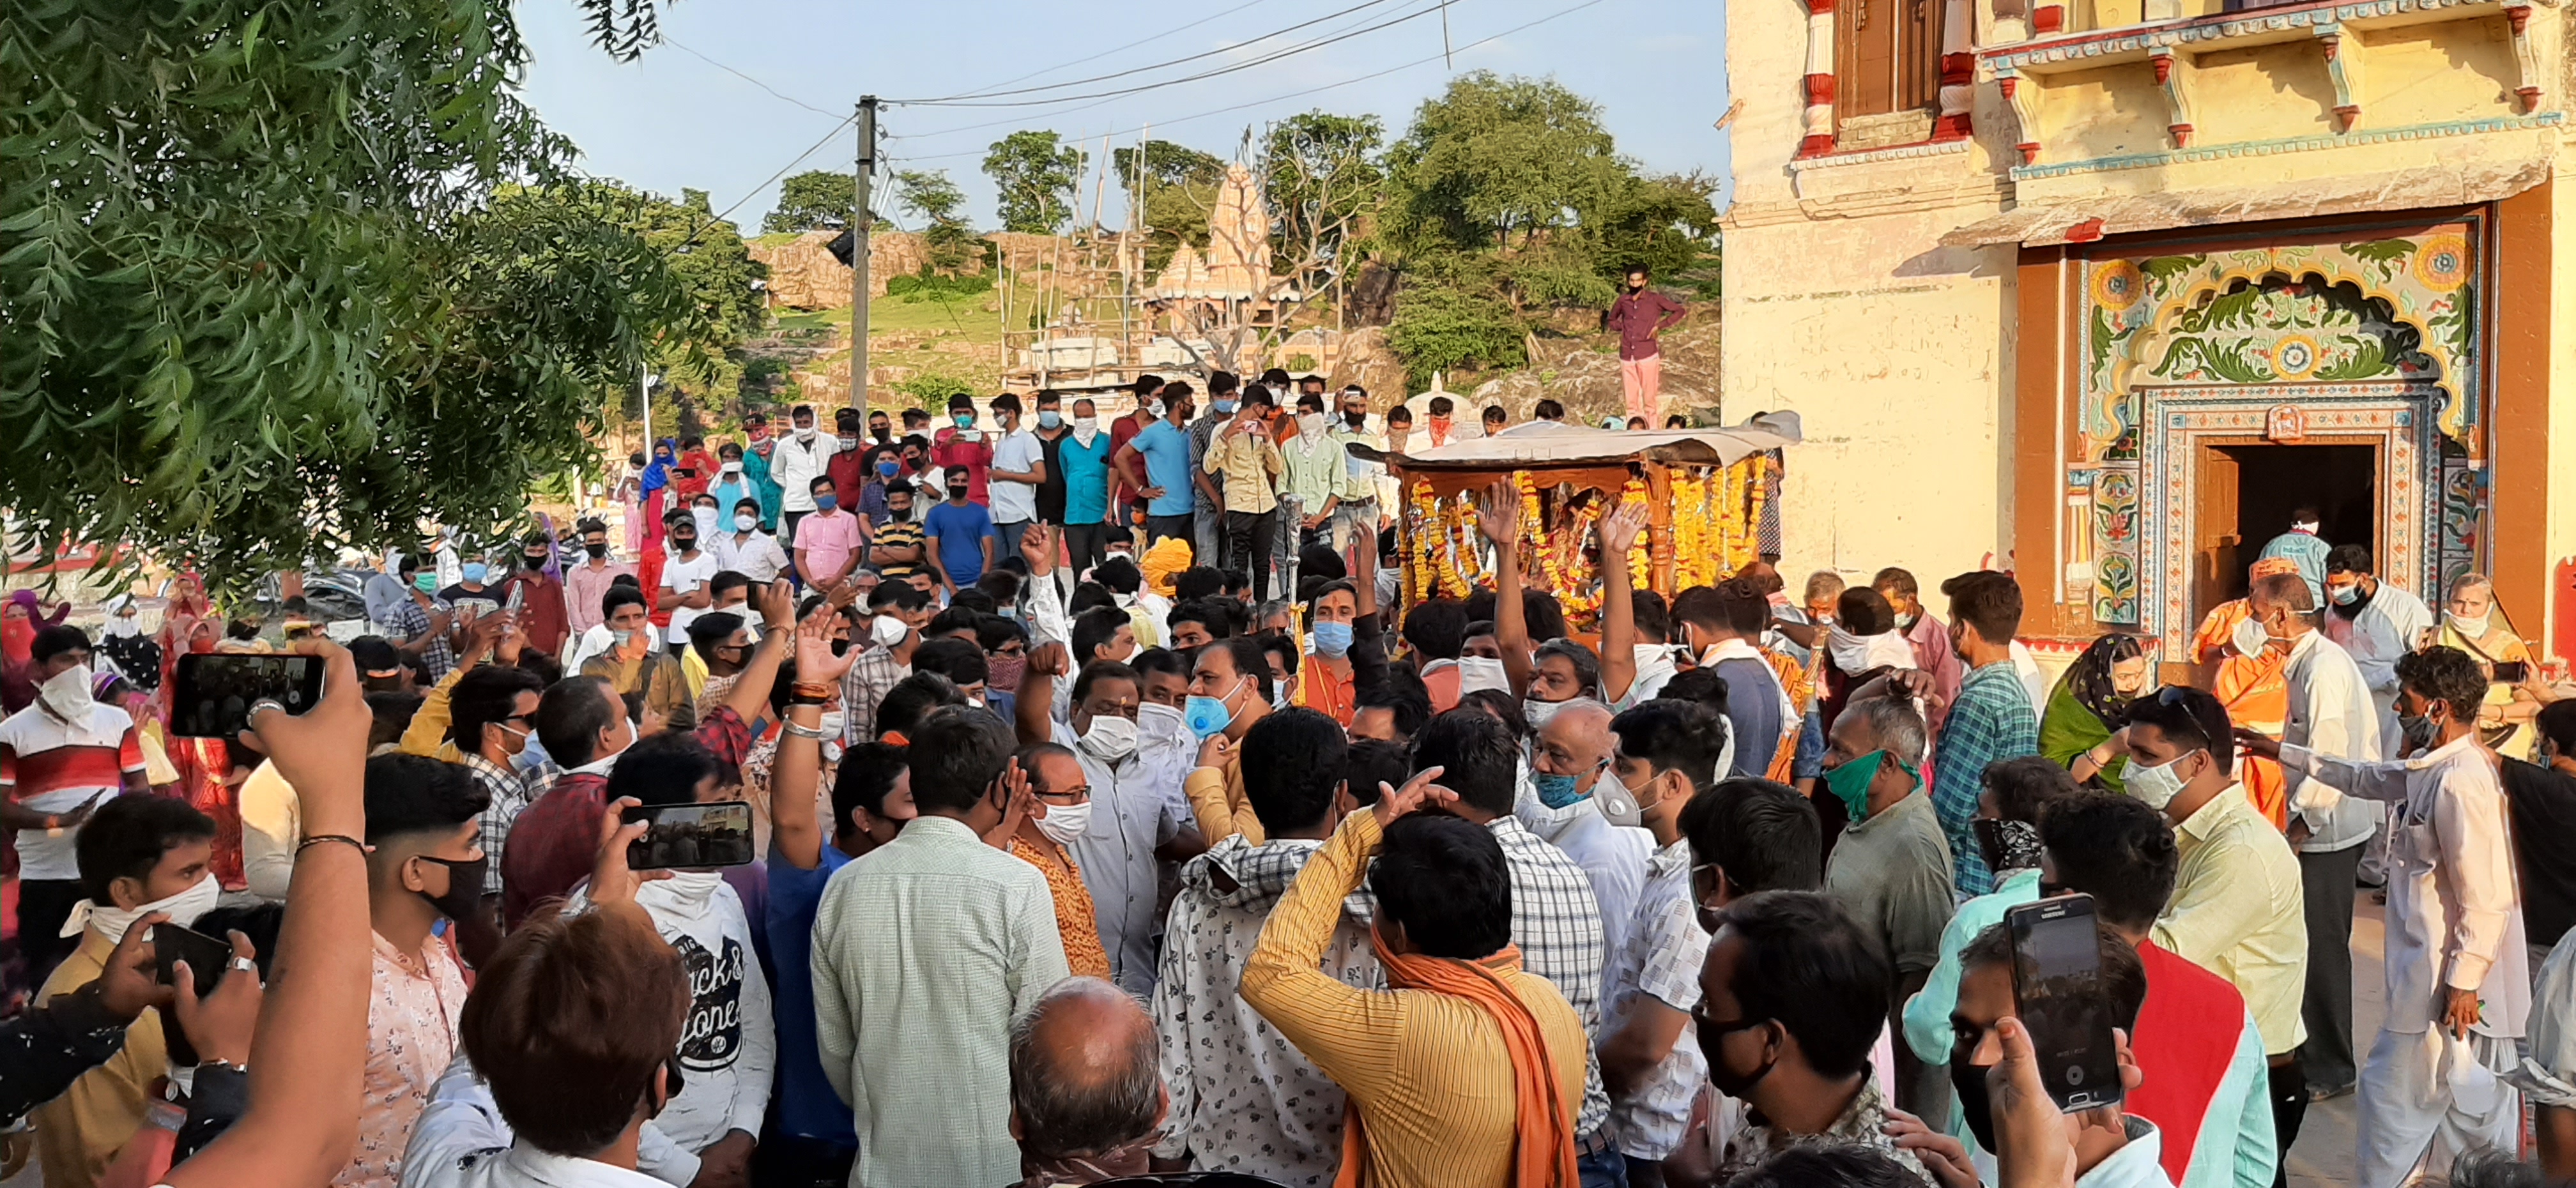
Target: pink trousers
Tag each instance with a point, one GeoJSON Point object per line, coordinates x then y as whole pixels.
{"type": "Point", "coordinates": [1642, 382]}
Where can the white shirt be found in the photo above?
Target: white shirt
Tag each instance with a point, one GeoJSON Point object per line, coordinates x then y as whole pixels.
{"type": "Point", "coordinates": [1243, 1098]}
{"type": "Point", "coordinates": [687, 577]}
{"type": "Point", "coordinates": [2034, 680]}
{"type": "Point", "coordinates": [461, 1141]}
{"type": "Point", "coordinates": [2330, 714]}
{"type": "Point", "coordinates": [1613, 857]}
{"type": "Point", "coordinates": [729, 1048]}
{"type": "Point", "coordinates": [1136, 806]}
{"type": "Point", "coordinates": [597, 638]}
{"type": "Point", "coordinates": [2386, 629]}
{"type": "Point", "coordinates": [1660, 960]}
{"type": "Point", "coordinates": [753, 554]}
{"type": "Point", "coordinates": [793, 465]}
{"type": "Point", "coordinates": [2454, 909]}
{"type": "Point", "coordinates": [1015, 502]}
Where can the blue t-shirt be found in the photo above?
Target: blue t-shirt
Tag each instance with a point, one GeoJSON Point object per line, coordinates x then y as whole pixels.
{"type": "Point", "coordinates": [807, 1106]}
{"type": "Point", "coordinates": [1086, 478]}
{"type": "Point", "coordinates": [960, 530]}
{"type": "Point", "coordinates": [1167, 465]}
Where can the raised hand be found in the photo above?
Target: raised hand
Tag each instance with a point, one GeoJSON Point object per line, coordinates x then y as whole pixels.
{"type": "Point", "coordinates": [1018, 802]}
{"type": "Point", "coordinates": [777, 605]}
{"type": "Point", "coordinates": [1050, 660]}
{"type": "Point", "coordinates": [1037, 547]}
{"type": "Point", "coordinates": [1498, 513]}
{"type": "Point", "coordinates": [611, 880]}
{"type": "Point", "coordinates": [1619, 531]}
{"type": "Point", "coordinates": [130, 982]}
{"type": "Point", "coordinates": [220, 1025]}
{"type": "Point", "coordinates": [322, 752]}
{"type": "Point", "coordinates": [815, 663]}
{"type": "Point", "coordinates": [1417, 794]}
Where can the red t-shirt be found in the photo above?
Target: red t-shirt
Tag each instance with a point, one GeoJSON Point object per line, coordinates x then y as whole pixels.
{"type": "Point", "coordinates": [2186, 1039]}
{"type": "Point", "coordinates": [947, 450]}
{"type": "Point", "coordinates": [1121, 431]}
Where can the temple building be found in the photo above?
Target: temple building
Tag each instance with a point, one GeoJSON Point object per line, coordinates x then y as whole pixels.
{"type": "Point", "coordinates": [2100, 292]}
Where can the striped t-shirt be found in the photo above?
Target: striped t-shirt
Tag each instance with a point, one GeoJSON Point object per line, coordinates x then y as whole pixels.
{"type": "Point", "coordinates": [50, 766]}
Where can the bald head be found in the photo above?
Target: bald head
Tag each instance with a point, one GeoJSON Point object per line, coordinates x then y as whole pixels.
{"type": "Point", "coordinates": [1576, 742]}
{"type": "Point", "coordinates": [1085, 1072]}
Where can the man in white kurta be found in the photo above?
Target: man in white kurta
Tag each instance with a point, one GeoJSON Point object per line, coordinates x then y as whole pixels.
{"type": "Point", "coordinates": [2429, 1093]}
{"type": "Point", "coordinates": [2374, 622]}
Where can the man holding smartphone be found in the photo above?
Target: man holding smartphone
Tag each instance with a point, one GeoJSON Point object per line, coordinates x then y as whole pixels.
{"type": "Point", "coordinates": [59, 759]}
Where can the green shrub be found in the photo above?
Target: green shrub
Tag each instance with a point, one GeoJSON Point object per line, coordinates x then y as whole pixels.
{"type": "Point", "coordinates": [1443, 329]}
{"type": "Point", "coordinates": [933, 391]}
{"type": "Point", "coordinates": [931, 286]}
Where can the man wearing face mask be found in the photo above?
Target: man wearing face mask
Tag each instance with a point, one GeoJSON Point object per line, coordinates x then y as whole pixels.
{"type": "Point", "coordinates": [494, 711]}
{"type": "Point", "coordinates": [1133, 822]}
{"type": "Point", "coordinates": [59, 760]}
{"type": "Point", "coordinates": [1639, 317]}
{"type": "Point", "coordinates": [683, 585]}
{"type": "Point", "coordinates": [1229, 691]}
{"type": "Point", "coordinates": [897, 612]}
{"type": "Point", "coordinates": [2237, 908]}
{"type": "Point", "coordinates": [850, 454]}
{"type": "Point", "coordinates": [472, 596]}
{"type": "Point", "coordinates": [541, 618]}
{"type": "Point", "coordinates": [1062, 796]}
{"type": "Point", "coordinates": [426, 864]}
{"type": "Point", "coordinates": [1018, 468]}
{"type": "Point", "coordinates": [1316, 471]}
{"type": "Point", "coordinates": [2457, 959]}
{"type": "Point", "coordinates": [1791, 997]}
{"type": "Point", "coordinates": [1079, 478]}
{"type": "Point", "coordinates": [2330, 714]}
{"type": "Point", "coordinates": [1890, 868]}
{"type": "Point", "coordinates": [1650, 1065]}
{"type": "Point", "coordinates": [2206, 1086]}
{"type": "Point", "coordinates": [138, 855]}
{"type": "Point", "coordinates": [1925, 633]}
{"type": "Point", "coordinates": [963, 446]}
{"type": "Point", "coordinates": [1992, 718]}
{"type": "Point", "coordinates": [795, 462]}
{"type": "Point", "coordinates": [728, 1052]}
{"type": "Point", "coordinates": [586, 583]}
{"type": "Point", "coordinates": [1710, 624]}
{"type": "Point", "coordinates": [1573, 793]}
{"type": "Point", "coordinates": [2113, 1146]}
{"type": "Point", "coordinates": [744, 549]}
{"type": "Point", "coordinates": [2373, 620]}
{"type": "Point", "coordinates": [733, 484]}
{"type": "Point", "coordinates": [1355, 517]}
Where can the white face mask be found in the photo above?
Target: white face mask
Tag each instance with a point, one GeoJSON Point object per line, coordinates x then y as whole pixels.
{"type": "Point", "coordinates": [1086, 426]}
{"type": "Point", "coordinates": [2249, 637]}
{"type": "Point", "coordinates": [888, 630]}
{"type": "Point", "coordinates": [1480, 672]}
{"type": "Point", "coordinates": [689, 890]}
{"type": "Point", "coordinates": [1162, 724]}
{"type": "Point", "coordinates": [805, 433]}
{"type": "Point", "coordinates": [112, 921]}
{"type": "Point", "coordinates": [1540, 713]}
{"type": "Point", "coordinates": [1310, 425]}
{"type": "Point", "coordinates": [2157, 785]}
{"type": "Point", "coordinates": [706, 521]}
{"type": "Point", "coordinates": [1066, 822]}
{"type": "Point", "coordinates": [1110, 739]}
{"type": "Point", "coordinates": [745, 522]}
{"type": "Point", "coordinates": [2472, 628]}
{"type": "Point", "coordinates": [832, 723]}
{"type": "Point", "coordinates": [67, 695]}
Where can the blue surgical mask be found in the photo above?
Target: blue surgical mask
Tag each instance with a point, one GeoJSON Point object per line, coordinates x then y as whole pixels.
{"type": "Point", "coordinates": [475, 572]}
{"type": "Point", "coordinates": [1555, 791]}
{"type": "Point", "coordinates": [889, 468]}
{"type": "Point", "coordinates": [963, 420]}
{"type": "Point", "coordinates": [1332, 639]}
{"type": "Point", "coordinates": [1208, 717]}
{"type": "Point", "coordinates": [1049, 418]}
{"type": "Point", "coordinates": [1225, 406]}
{"type": "Point", "coordinates": [824, 503]}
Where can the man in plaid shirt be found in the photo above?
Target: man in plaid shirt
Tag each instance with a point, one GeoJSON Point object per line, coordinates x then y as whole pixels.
{"type": "Point", "coordinates": [493, 712]}
{"type": "Point", "coordinates": [1991, 721]}
{"type": "Point", "coordinates": [897, 606]}
{"type": "Point", "coordinates": [1555, 920]}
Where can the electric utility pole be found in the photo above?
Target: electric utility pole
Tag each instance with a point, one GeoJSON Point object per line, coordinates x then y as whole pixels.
{"type": "Point", "coordinates": [862, 221]}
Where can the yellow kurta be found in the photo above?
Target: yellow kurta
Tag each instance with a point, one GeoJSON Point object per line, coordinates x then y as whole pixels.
{"type": "Point", "coordinates": [79, 1133]}
{"type": "Point", "coordinates": [1429, 1072]}
{"type": "Point", "coordinates": [1217, 799]}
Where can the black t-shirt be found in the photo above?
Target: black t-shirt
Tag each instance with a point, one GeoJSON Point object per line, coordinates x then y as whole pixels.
{"type": "Point", "coordinates": [2543, 803]}
{"type": "Point", "coordinates": [1051, 492]}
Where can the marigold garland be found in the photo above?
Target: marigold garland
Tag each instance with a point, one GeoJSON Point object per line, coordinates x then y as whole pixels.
{"type": "Point", "coordinates": [1713, 529]}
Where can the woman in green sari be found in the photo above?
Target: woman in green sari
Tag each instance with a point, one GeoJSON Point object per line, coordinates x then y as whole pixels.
{"type": "Point", "coordinates": [2092, 696]}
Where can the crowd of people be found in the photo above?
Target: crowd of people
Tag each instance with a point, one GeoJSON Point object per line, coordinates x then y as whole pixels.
{"type": "Point", "coordinates": [1082, 861]}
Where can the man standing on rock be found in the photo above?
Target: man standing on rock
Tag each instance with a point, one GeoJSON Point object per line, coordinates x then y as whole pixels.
{"type": "Point", "coordinates": [1639, 317]}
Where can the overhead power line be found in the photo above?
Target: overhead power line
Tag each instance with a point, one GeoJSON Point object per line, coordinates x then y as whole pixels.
{"type": "Point", "coordinates": [1077, 82]}
{"type": "Point", "coordinates": [1254, 63]}
{"type": "Point", "coordinates": [1120, 49]}
{"type": "Point", "coordinates": [774, 92]}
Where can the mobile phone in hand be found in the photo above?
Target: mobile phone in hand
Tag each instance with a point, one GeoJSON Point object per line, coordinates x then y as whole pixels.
{"type": "Point", "coordinates": [2060, 996]}
{"type": "Point", "coordinates": [213, 692]}
{"type": "Point", "coordinates": [206, 956]}
{"type": "Point", "coordinates": [690, 835]}
{"type": "Point", "coordinates": [2512, 672]}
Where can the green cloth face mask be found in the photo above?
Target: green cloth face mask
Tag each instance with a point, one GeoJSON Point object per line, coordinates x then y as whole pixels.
{"type": "Point", "coordinates": [1850, 782]}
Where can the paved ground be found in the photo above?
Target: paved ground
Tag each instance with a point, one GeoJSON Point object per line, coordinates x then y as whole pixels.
{"type": "Point", "coordinates": [2324, 1154]}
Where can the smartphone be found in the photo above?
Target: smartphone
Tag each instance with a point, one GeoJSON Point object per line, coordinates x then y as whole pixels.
{"type": "Point", "coordinates": [690, 835]}
{"type": "Point", "coordinates": [518, 596]}
{"type": "Point", "coordinates": [2512, 672]}
{"type": "Point", "coordinates": [2057, 984]}
{"type": "Point", "coordinates": [206, 956]}
{"type": "Point", "coordinates": [216, 690]}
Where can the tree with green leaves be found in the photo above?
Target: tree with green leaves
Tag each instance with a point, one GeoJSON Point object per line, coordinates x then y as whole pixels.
{"type": "Point", "coordinates": [1496, 161]}
{"type": "Point", "coordinates": [928, 195]}
{"type": "Point", "coordinates": [1166, 164]}
{"type": "Point", "coordinates": [1174, 187]}
{"type": "Point", "coordinates": [815, 200]}
{"type": "Point", "coordinates": [1035, 174]}
{"type": "Point", "coordinates": [1324, 178]}
{"type": "Point", "coordinates": [268, 286]}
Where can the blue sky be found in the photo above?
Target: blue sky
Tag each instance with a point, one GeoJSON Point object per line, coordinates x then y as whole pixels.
{"type": "Point", "coordinates": [676, 119]}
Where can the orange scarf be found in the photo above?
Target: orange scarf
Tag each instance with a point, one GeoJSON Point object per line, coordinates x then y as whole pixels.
{"type": "Point", "coordinates": [1543, 1143]}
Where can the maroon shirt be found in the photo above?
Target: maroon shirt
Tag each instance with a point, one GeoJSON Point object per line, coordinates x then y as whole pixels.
{"type": "Point", "coordinates": [541, 612]}
{"type": "Point", "coordinates": [1637, 316]}
{"type": "Point", "coordinates": [555, 840]}
{"type": "Point", "coordinates": [848, 469]}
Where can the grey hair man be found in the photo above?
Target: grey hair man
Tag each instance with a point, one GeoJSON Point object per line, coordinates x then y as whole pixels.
{"type": "Point", "coordinates": [1891, 867]}
{"type": "Point", "coordinates": [1087, 1096]}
